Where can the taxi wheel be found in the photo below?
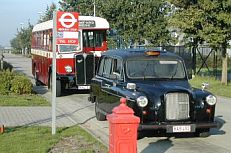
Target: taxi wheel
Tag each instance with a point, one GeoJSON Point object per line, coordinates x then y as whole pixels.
{"type": "Point", "coordinates": [202, 133]}
{"type": "Point", "coordinates": [140, 135]}
{"type": "Point", "coordinates": [99, 116]}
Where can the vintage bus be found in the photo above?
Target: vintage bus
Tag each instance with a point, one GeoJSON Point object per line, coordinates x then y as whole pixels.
{"type": "Point", "coordinates": [75, 63]}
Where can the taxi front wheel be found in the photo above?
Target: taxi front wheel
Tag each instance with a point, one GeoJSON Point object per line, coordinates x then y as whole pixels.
{"type": "Point", "coordinates": [99, 116]}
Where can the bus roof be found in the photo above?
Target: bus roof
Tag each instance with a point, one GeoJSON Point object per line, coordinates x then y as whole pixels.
{"type": "Point", "coordinates": [100, 23]}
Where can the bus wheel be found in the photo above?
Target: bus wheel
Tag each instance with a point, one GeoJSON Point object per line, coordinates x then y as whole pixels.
{"type": "Point", "coordinates": [37, 82]}
{"type": "Point", "coordinates": [58, 88]}
{"type": "Point", "coordinates": [49, 82]}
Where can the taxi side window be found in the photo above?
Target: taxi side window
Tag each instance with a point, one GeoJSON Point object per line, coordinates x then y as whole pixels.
{"type": "Point", "coordinates": [117, 67]}
{"type": "Point", "coordinates": [107, 67]}
{"type": "Point", "coordinates": [101, 65]}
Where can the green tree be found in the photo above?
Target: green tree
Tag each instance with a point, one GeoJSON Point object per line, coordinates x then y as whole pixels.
{"type": "Point", "coordinates": [22, 40]}
{"type": "Point", "coordinates": [205, 21]}
{"type": "Point", "coordinates": [48, 13]}
{"type": "Point", "coordinates": [136, 19]}
{"type": "Point", "coordinates": [15, 44]}
{"type": "Point", "coordinates": [133, 19]}
{"type": "Point", "coordinates": [84, 7]}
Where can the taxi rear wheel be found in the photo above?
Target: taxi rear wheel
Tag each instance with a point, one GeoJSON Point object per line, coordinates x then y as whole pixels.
{"type": "Point", "coordinates": [99, 116]}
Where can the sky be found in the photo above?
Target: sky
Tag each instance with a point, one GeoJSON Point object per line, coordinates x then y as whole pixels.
{"type": "Point", "coordinates": [16, 14]}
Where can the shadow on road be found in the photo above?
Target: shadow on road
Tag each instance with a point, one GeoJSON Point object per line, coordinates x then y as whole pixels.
{"type": "Point", "coordinates": [40, 89]}
{"type": "Point", "coordinates": [220, 123]}
{"type": "Point", "coordinates": [67, 92]}
{"type": "Point", "coordinates": [160, 146]}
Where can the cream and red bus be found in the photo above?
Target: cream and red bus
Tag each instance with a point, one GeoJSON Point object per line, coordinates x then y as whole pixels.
{"type": "Point", "coordinates": [75, 64]}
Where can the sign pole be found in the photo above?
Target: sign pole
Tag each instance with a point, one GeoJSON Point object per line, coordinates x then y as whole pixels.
{"type": "Point", "coordinates": [53, 88]}
{"type": "Point", "coordinates": [66, 25]}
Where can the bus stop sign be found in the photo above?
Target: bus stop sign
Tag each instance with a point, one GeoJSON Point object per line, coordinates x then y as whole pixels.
{"type": "Point", "coordinates": [67, 28]}
{"type": "Point", "coordinates": [67, 21]}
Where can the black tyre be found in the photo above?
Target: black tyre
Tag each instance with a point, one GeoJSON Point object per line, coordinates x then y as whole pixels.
{"type": "Point", "coordinates": [99, 116]}
{"type": "Point", "coordinates": [50, 82]}
{"type": "Point", "coordinates": [37, 82]}
{"type": "Point", "coordinates": [58, 86]}
{"type": "Point", "coordinates": [202, 133]}
{"type": "Point", "coordinates": [140, 135]}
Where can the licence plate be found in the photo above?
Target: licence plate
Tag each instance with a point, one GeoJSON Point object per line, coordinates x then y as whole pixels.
{"type": "Point", "coordinates": [181, 128]}
{"type": "Point", "coordinates": [83, 87]}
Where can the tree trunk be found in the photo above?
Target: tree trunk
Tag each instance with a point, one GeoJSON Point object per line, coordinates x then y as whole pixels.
{"type": "Point", "coordinates": [224, 76]}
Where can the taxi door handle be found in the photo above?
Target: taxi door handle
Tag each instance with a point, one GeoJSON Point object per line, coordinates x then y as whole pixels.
{"type": "Point", "coordinates": [106, 85]}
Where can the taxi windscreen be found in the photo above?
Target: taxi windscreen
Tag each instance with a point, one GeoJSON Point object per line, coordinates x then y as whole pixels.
{"type": "Point", "coordinates": [160, 69]}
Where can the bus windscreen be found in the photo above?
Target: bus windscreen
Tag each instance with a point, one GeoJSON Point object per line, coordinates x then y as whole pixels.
{"type": "Point", "coordinates": [68, 48]}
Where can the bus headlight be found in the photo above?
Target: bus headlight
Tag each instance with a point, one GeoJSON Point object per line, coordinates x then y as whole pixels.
{"type": "Point", "coordinates": [68, 69]}
{"type": "Point", "coordinates": [142, 101]}
{"type": "Point", "coordinates": [211, 100]}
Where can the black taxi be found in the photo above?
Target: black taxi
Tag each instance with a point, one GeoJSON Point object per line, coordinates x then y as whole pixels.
{"type": "Point", "coordinates": [156, 86]}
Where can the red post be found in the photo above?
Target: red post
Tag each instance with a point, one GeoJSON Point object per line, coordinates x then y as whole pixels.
{"type": "Point", "coordinates": [123, 129]}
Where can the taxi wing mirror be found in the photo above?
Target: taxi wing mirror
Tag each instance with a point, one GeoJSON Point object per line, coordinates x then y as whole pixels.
{"type": "Point", "coordinates": [131, 86]}
{"type": "Point", "coordinates": [205, 85]}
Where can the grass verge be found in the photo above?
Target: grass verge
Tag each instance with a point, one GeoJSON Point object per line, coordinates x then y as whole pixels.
{"type": "Point", "coordinates": [40, 140]}
{"type": "Point", "coordinates": [23, 100]}
{"type": "Point", "coordinates": [215, 86]}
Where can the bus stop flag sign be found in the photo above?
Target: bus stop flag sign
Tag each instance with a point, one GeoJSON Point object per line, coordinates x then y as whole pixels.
{"type": "Point", "coordinates": [67, 21]}
{"type": "Point", "coordinates": [67, 28]}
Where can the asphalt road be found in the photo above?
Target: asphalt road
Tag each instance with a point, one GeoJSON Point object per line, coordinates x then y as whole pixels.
{"type": "Point", "coordinates": [79, 111]}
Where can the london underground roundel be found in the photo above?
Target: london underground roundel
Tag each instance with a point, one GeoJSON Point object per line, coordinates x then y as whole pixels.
{"type": "Point", "coordinates": [67, 21]}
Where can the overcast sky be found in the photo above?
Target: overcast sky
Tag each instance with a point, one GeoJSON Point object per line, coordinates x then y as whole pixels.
{"type": "Point", "coordinates": [17, 13]}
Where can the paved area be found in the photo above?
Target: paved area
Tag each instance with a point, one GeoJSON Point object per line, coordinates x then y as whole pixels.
{"type": "Point", "coordinates": [26, 116]}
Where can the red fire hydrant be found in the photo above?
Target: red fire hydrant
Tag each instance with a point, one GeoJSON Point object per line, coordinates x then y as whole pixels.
{"type": "Point", "coordinates": [123, 129]}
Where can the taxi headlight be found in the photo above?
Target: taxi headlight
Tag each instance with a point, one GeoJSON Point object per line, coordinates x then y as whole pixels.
{"type": "Point", "coordinates": [142, 101]}
{"type": "Point", "coordinates": [68, 69]}
{"type": "Point", "coordinates": [211, 100]}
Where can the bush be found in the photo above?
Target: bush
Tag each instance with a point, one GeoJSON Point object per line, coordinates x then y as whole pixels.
{"type": "Point", "coordinates": [21, 85]}
{"type": "Point", "coordinates": [13, 82]}
{"type": "Point", "coordinates": [5, 81]}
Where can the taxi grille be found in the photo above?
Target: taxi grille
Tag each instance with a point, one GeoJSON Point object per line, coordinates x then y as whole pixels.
{"type": "Point", "coordinates": [177, 106]}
